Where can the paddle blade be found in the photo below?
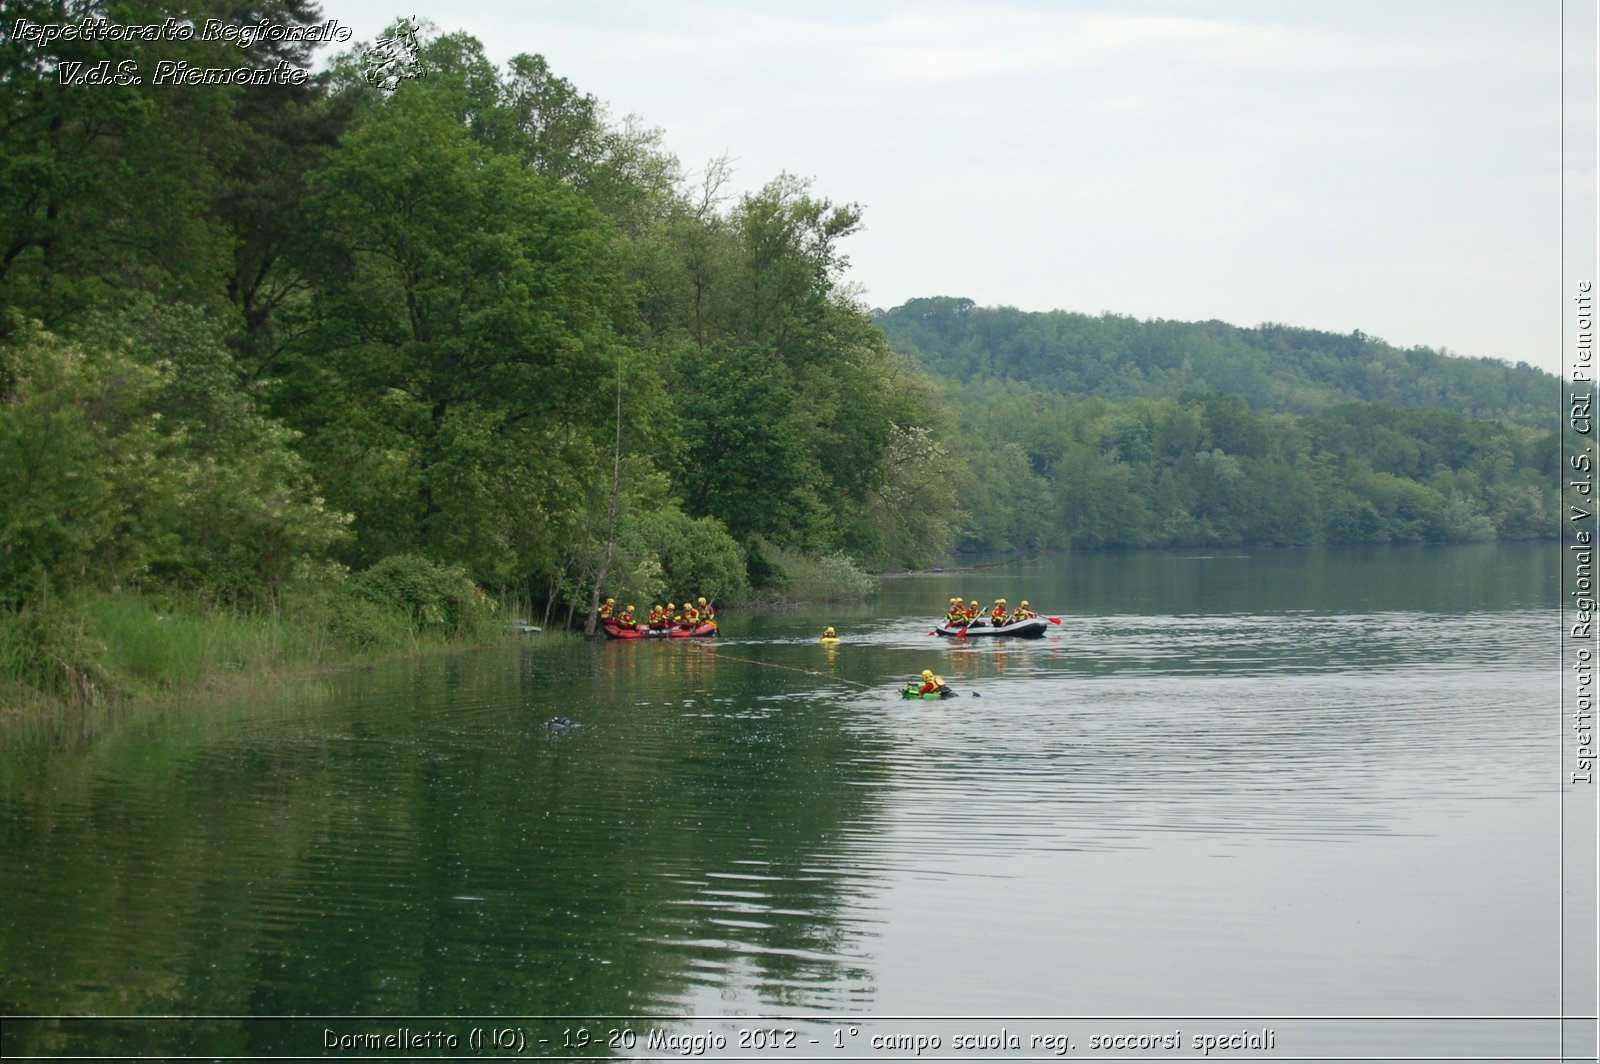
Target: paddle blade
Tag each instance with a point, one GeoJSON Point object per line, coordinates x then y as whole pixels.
{"type": "Point", "coordinates": [1053, 620]}
{"type": "Point", "coordinates": [933, 631]}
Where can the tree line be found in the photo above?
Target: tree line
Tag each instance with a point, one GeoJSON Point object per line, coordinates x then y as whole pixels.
{"type": "Point", "coordinates": [1275, 368]}
{"type": "Point", "coordinates": [1046, 471]}
{"type": "Point", "coordinates": [256, 336]}
{"type": "Point", "coordinates": [1072, 431]}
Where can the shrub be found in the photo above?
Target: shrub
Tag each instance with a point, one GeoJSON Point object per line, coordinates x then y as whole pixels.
{"type": "Point", "coordinates": [439, 599]}
{"type": "Point", "coordinates": [815, 578]}
{"type": "Point", "coordinates": [673, 554]}
{"type": "Point", "coordinates": [47, 648]}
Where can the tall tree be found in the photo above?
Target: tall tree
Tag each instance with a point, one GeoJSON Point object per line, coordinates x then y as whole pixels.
{"type": "Point", "coordinates": [463, 340]}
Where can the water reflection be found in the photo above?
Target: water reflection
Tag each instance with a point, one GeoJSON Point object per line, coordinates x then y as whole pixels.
{"type": "Point", "coordinates": [1248, 788]}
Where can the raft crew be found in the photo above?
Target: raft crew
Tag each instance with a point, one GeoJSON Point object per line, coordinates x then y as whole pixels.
{"type": "Point", "coordinates": [961, 614]}
{"type": "Point", "coordinates": [691, 614]}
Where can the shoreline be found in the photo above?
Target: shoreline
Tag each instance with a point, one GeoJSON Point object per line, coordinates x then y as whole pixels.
{"type": "Point", "coordinates": [105, 656]}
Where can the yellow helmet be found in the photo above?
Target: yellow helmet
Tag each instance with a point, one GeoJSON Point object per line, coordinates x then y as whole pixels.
{"type": "Point", "coordinates": [927, 674]}
{"type": "Point", "coordinates": [828, 630]}
{"type": "Point", "coordinates": [611, 602]}
{"type": "Point", "coordinates": [672, 605]}
{"type": "Point", "coordinates": [1024, 603]}
{"type": "Point", "coordinates": [1000, 602]}
{"type": "Point", "coordinates": [701, 601]}
{"type": "Point", "coordinates": [629, 608]}
{"type": "Point", "coordinates": [974, 602]}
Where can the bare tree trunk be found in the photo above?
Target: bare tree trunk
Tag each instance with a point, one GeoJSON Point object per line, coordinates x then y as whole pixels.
{"type": "Point", "coordinates": [550, 598]}
{"type": "Point", "coordinates": [611, 510]}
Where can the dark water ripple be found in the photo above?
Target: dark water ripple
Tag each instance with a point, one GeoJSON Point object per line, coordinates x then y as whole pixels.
{"type": "Point", "coordinates": [1291, 809]}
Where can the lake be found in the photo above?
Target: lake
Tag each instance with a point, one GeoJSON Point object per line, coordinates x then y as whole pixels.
{"type": "Point", "coordinates": [1238, 804]}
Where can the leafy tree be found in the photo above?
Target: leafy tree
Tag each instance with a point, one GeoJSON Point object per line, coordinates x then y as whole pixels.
{"type": "Point", "coordinates": [917, 514]}
{"type": "Point", "coordinates": [57, 513]}
{"type": "Point", "coordinates": [129, 471]}
{"type": "Point", "coordinates": [747, 462]}
{"type": "Point", "coordinates": [676, 554]}
{"type": "Point", "coordinates": [467, 304]}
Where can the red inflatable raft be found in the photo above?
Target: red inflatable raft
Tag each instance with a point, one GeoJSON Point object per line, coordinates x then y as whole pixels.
{"type": "Point", "coordinates": [615, 631]}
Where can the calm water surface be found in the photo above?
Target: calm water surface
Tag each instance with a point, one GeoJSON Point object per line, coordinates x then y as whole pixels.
{"type": "Point", "coordinates": [1228, 794]}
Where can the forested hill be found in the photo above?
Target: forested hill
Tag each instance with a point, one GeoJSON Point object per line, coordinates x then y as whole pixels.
{"type": "Point", "coordinates": [1274, 368]}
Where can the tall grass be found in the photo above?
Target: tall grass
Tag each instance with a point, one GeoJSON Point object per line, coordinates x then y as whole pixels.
{"type": "Point", "coordinates": [162, 646]}
{"type": "Point", "coordinates": [96, 649]}
{"type": "Point", "coordinates": [47, 656]}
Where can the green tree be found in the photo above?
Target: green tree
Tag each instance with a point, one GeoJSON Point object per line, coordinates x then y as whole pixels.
{"type": "Point", "coordinates": [130, 472]}
{"type": "Point", "coordinates": [464, 321]}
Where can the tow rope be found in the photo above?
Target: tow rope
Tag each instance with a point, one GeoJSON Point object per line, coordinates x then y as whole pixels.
{"type": "Point", "coordinates": [774, 665]}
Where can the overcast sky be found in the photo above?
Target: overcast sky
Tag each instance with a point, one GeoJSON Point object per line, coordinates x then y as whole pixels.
{"type": "Point", "coordinates": [1392, 167]}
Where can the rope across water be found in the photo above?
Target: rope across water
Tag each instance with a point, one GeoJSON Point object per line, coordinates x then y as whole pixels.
{"type": "Point", "coordinates": [709, 648]}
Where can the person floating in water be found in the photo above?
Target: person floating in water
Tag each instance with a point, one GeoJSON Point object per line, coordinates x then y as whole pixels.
{"type": "Point", "coordinates": [829, 635]}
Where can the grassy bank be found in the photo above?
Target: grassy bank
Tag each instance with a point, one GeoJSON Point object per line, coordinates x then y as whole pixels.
{"type": "Point", "coordinates": [87, 650]}
{"type": "Point", "coordinates": [100, 649]}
